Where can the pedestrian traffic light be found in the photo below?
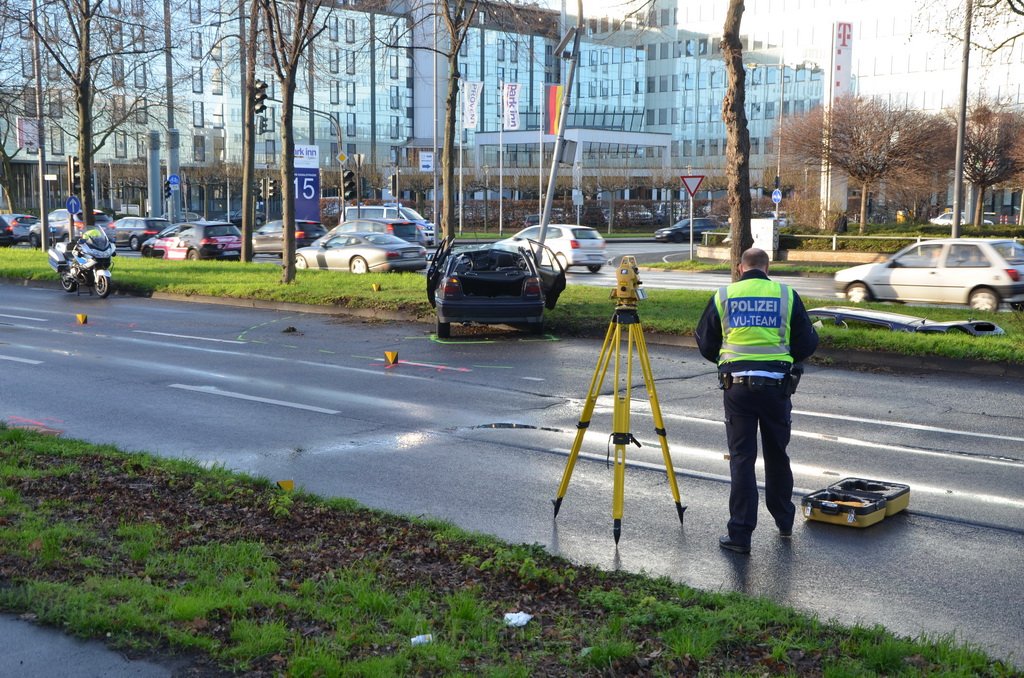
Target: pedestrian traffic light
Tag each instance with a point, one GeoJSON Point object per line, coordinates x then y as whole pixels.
{"type": "Point", "coordinates": [262, 189]}
{"type": "Point", "coordinates": [167, 189]}
{"type": "Point", "coordinates": [259, 96]}
{"type": "Point", "coordinates": [74, 175]}
{"type": "Point", "coordinates": [350, 184]}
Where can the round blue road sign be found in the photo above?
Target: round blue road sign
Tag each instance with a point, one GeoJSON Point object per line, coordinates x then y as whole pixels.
{"type": "Point", "coordinates": [73, 205]}
{"type": "Point", "coordinates": [776, 196]}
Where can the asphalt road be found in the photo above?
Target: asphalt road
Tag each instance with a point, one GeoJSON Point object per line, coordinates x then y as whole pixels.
{"type": "Point", "coordinates": [476, 430]}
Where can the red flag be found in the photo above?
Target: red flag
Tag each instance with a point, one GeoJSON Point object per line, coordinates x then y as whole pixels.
{"type": "Point", "coordinates": [554, 107]}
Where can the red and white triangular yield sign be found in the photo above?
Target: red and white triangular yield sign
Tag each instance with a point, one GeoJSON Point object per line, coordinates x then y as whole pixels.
{"type": "Point", "coordinates": [692, 183]}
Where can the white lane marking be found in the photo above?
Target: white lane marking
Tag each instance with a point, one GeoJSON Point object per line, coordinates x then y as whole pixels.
{"type": "Point", "coordinates": [855, 442]}
{"type": "Point", "coordinates": [645, 405]}
{"type": "Point", "coordinates": [189, 336]}
{"type": "Point", "coordinates": [916, 427]}
{"type": "Point", "coordinates": [21, 360]}
{"type": "Point", "coordinates": [798, 469]}
{"type": "Point", "coordinates": [213, 390]}
{"type": "Point", "coordinates": [531, 378]}
{"type": "Point", "coordinates": [23, 317]}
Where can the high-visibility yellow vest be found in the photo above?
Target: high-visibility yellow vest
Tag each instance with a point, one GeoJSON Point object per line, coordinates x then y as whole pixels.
{"type": "Point", "coordinates": [756, 314]}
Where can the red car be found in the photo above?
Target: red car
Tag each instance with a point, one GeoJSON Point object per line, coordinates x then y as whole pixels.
{"type": "Point", "coordinates": [200, 240]}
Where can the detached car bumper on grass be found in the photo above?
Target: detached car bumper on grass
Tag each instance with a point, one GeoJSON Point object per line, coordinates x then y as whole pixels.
{"type": "Point", "coordinates": [898, 322]}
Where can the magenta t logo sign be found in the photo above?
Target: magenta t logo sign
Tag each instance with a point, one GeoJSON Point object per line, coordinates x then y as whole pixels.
{"type": "Point", "coordinates": [844, 32]}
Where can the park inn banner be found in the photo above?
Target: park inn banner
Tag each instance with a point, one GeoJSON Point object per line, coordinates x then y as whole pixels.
{"type": "Point", "coordinates": [510, 116]}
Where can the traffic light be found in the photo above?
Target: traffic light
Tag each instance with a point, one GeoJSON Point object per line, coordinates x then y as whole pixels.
{"type": "Point", "coordinates": [350, 184]}
{"type": "Point", "coordinates": [271, 188]}
{"type": "Point", "coordinates": [74, 175]}
{"type": "Point", "coordinates": [393, 186]}
{"type": "Point", "coordinates": [167, 189]}
{"type": "Point", "coordinates": [259, 97]}
{"type": "Point", "coordinates": [261, 126]}
{"type": "Point", "coordinates": [262, 189]}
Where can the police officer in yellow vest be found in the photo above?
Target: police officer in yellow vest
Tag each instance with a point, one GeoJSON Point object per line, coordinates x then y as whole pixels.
{"type": "Point", "coordinates": [758, 333]}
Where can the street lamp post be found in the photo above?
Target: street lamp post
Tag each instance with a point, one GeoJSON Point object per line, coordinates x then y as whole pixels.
{"type": "Point", "coordinates": [778, 132]}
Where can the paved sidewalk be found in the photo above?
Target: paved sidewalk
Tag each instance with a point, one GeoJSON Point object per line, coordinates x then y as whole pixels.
{"type": "Point", "coordinates": [31, 651]}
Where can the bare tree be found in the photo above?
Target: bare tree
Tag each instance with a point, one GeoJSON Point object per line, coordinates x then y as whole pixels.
{"type": "Point", "coordinates": [456, 16]}
{"type": "Point", "coordinates": [991, 138]}
{"type": "Point", "coordinates": [870, 142]}
{"type": "Point", "coordinates": [291, 28]}
{"type": "Point", "coordinates": [737, 152]}
{"type": "Point", "coordinates": [94, 52]}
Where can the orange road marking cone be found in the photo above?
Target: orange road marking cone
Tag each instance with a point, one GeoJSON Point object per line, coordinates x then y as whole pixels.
{"type": "Point", "coordinates": [391, 357]}
{"type": "Point", "coordinates": [82, 318]}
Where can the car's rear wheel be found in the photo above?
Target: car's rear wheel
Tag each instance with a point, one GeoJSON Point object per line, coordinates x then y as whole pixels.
{"type": "Point", "coordinates": [192, 255]}
{"type": "Point", "coordinates": [984, 299]}
{"type": "Point", "coordinates": [358, 266]}
{"type": "Point", "coordinates": [858, 293]}
{"type": "Point", "coordinates": [594, 269]}
{"type": "Point", "coordinates": [300, 262]}
{"type": "Point", "coordinates": [677, 237]}
{"type": "Point", "coordinates": [444, 330]}
{"type": "Point", "coordinates": [133, 243]}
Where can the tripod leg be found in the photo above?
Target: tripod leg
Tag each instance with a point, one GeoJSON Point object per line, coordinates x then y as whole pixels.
{"type": "Point", "coordinates": [588, 411]}
{"type": "Point", "coordinates": [621, 435]}
{"type": "Point", "coordinates": [659, 425]}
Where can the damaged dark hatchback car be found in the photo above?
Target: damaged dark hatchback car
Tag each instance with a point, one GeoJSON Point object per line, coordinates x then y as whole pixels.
{"type": "Point", "coordinates": [491, 284]}
{"type": "Point", "coordinates": [898, 322]}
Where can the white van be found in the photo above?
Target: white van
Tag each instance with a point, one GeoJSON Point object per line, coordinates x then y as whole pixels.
{"type": "Point", "coordinates": [392, 211]}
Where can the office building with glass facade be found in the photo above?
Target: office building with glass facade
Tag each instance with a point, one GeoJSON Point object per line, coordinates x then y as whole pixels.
{"type": "Point", "coordinates": [646, 100]}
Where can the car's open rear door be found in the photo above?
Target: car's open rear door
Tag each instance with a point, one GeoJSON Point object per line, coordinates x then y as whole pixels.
{"type": "Point", "coordinates": [552, 275]}
{"type": "Point", "coordinates": [436, 267]}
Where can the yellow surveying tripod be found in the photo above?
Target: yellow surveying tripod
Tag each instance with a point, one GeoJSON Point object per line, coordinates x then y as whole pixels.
{"type": "Point", "coordinates": [627, 293]}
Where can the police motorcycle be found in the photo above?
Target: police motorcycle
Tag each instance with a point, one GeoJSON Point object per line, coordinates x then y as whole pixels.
{"type": "Point", "coordinates": [86, 264]}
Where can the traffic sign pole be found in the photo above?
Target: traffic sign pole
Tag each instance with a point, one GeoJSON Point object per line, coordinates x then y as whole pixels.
{"type": "Point", "coordinates": [692, 183]}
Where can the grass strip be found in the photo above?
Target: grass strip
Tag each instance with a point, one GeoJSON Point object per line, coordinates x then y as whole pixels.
{"type": "Point", "coordinates": [581, 310]}
{"type": "Point", "coordinates": [158, 555]}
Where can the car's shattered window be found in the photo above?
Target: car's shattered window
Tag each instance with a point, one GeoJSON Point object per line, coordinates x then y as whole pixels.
{"type": "Point", "coordinates": [489, 261]}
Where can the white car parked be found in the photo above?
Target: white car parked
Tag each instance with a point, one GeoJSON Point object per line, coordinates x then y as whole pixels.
{"type": "Point", "coordinates": [946, 219]}
{"type": "Point", "coordinates": [572, 245]}
{"type": "Point", "coordinates": [979, 272]}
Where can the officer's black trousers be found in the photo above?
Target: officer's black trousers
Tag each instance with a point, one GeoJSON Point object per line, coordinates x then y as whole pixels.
{"type": "Point", "coordinates": [747, 410]}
